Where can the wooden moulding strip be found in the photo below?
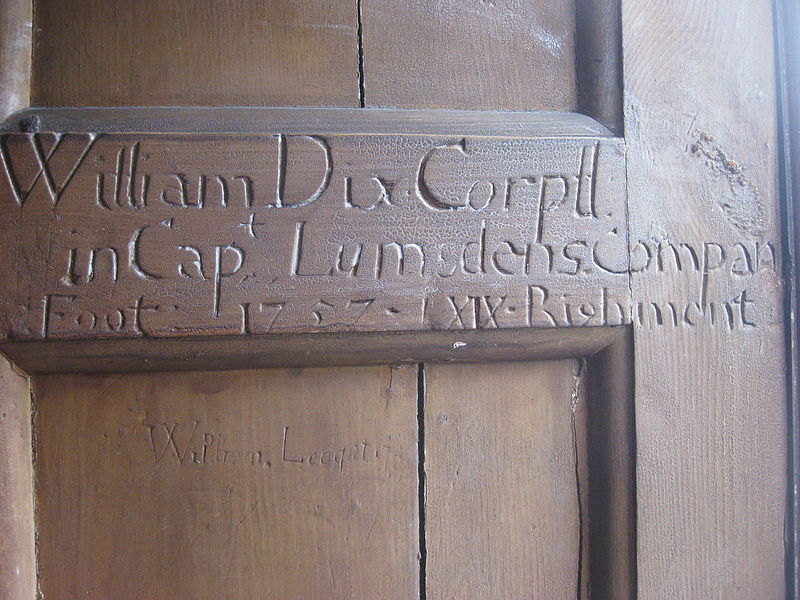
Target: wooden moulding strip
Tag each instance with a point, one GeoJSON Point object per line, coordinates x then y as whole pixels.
{"type": "Point", "coordinates": [300, 350]}
{"type": "Point", "coordinates": [787, 19]}
{"type": "Point", "coordinates": [291, 120]}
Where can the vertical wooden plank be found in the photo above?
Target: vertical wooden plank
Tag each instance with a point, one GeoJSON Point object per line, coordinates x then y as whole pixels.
{"type": "Point", "coordinates": [710, 380]}
{"type": "Point", "coordinates": [498, 55]}
{"type": "Point", "coordinates": [17, 560]}
{"type": "Point", "coordinates": [15, 55]}
{"type": "Point", "coordinates": [504, 504]}
{"type": "Point", "coordinates": [202, 53]}
{"type": "Point", "coordinates": [239, 484]}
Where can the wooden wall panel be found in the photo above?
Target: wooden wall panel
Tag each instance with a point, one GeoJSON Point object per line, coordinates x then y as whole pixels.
{"type": "Point", "coordinates": [240, 484]}
{"type": "Point", "coordinates": [17, 560]}
{"type": "Point", "coordinates": [710, 372]}
{"type": "Point", "coordinates": [498, 55]}
{"type": "Point", "coordinates": [204, 52]}
{"type": "Point", "coordinates": [504, 508]}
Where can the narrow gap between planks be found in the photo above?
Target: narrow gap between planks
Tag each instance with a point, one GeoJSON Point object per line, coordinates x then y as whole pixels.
{"type": "Point", "coordinates": [579, 369]}
{"type": "Point", "coordinates": [361, 92]}
{"type": "Point", "coordinates": [423, 548]}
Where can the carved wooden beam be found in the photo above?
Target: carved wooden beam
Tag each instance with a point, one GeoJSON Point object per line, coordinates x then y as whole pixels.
{"type": "Point", "coordinates": [316, 220]}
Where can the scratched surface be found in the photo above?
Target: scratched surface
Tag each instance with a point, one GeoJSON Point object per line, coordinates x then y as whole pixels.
{"type": "Point", "coordinates": [281, 484]}
{"type": "Point", "coordinates": [506, 508]}
{"type": "Point", "coordinates": [179, 234]}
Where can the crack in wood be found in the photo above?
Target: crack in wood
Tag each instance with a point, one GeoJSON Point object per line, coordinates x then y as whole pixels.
{"type": "Point", "coordinates": [575, 399]}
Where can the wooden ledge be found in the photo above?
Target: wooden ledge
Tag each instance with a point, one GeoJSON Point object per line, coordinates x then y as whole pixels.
{"type": "Point", "coordinates": [304, 350]}
{"type": "Point", "coordinates": [303, 120]}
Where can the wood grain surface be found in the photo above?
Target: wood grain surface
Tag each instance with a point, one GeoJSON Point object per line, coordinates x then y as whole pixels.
{"type": "Point", "coordinates": [17, 558]}
{"type": "Point", "coordinates": [244, 484]}
{"type": "Point", "coordinates": [206, 53]}
{"type": "Point", "coordinates": [498, 55]}
{"type": "Point", "coordinates": [505, 452]}
{"type": "Point", "coordinates": [706, 312]}
{"type": "Point", "coordinates": [15, 55]}
{"type": "Point", "coordinates": [710, 383]}
{"type": "Point", "coordinates": [164, 235]}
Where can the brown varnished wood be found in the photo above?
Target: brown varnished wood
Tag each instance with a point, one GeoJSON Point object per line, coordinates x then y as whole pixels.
{"type": "Point", "coordinates": [499, 55]}
{"type": "Point", "coordinates": [710, 403]}
{"type": "Point", "coordinates": [171, 398]}
{"type": "Point", "coordinates": [17, 558]}
{"type": "Point", "coordinates": [710, 398]}
{"type": "Point", "coordinates": [123, 514]}
{"type": "Point", "coordinates": [157, 52]}
{"type": "Point", "coordinates": [168, 235]}
{"type": "Point", "coordinates": [503, 496]}
{"type": "Point", "coordinates": [302, 350]}
{"type": "Point", "coordinates": [280, 484]}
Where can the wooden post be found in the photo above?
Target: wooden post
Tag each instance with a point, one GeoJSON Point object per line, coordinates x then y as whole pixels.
{"type": "Point", "coordinates": [709, 339]}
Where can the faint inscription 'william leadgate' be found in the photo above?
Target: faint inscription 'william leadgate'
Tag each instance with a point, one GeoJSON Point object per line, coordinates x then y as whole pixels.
{"type": "Point", "coordinates": [160, 234]}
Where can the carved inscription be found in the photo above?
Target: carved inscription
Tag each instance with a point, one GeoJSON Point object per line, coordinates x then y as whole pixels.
{"type": "Point", "coordinates": [168, 235]}
{"type": "Point", "coordinates": [725, 284]}
{"type": "Point", "coordinates": [192, 444]}
{"type": "Point", "coordinates": [231, 473]}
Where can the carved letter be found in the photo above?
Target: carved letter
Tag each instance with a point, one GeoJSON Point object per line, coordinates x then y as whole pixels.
{"type": "Point", "coordinates": [280, 194]}
{"type": "Point", "coordinates": [423, 191]}
{"type": "Point", "coordinates": [55, 191]}
{"type": "Point", "coordinates": [221, 273]}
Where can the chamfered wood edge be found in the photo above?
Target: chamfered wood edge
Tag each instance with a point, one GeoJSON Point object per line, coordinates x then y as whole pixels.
{"type": "Point", "coordinates": [301, 350]}
{"type": "Point", "coordinates": [787, 21]}
{"type": "Point", "coordinates": [290, 120]}
{"type": "Point", "coordinates": [599, 61]}
{"type": "Point", "coordinates": [612, 469]}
